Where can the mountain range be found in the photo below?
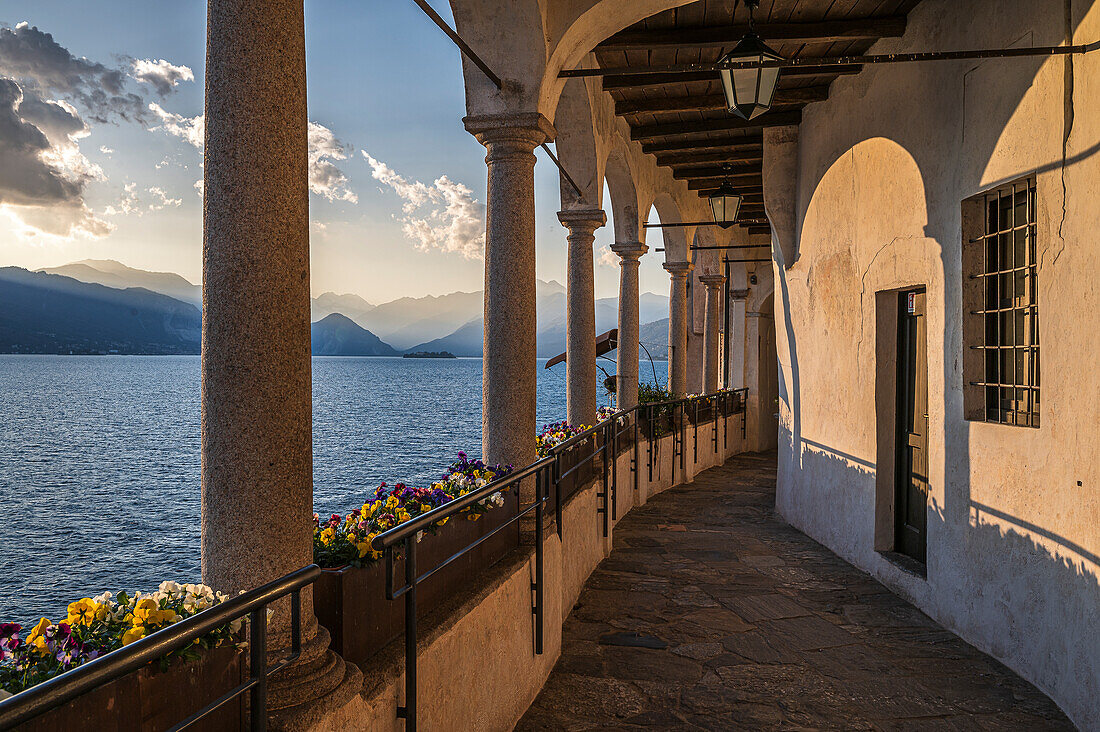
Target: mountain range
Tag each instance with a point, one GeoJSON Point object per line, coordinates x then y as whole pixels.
{"type": "Point", "coordinates": [343, 324]}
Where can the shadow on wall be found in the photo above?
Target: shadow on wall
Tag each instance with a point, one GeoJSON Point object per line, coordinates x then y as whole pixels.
{"type": "Point", "coordinates": [1017, 591]}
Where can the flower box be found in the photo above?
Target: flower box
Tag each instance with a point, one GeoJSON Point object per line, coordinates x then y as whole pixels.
{"type": "Point", "coordinates": [587, 467]}
{"type": "Point", "coordinates": [151, 699]}
{"type": "Point", "coordinates": [661, 423]}
{"type": "Point", "coordinates": [351, 601]}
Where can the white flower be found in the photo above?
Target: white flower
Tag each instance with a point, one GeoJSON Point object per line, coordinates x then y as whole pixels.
{"type": "Point", "coordinates": [104, 599]}
{"type": "Point", "coordinates": [169, 587]}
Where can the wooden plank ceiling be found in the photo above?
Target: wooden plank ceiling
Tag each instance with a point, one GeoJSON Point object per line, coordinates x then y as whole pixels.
{"type": "Point", "coordinates": [681, 118]}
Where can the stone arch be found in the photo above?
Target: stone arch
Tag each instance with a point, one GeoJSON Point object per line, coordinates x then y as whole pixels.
{"type": "Point", "coordinates": [578, 25]}
{"type": "Point", "coordinates": [576, 147]}
{"type": "Point", "coordinates": [675, 238]}
{"type": "Point", "coordinates": [624, 194]}
{"type": "Point", "coordinates": [516, 51]}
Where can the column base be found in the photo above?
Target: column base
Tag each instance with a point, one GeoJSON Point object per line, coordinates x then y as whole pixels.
{"type": "Point", "coordinates": [316, 691]}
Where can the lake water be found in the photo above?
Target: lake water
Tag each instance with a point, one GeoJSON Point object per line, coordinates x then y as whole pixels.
{"type": "Point", "coordinates": [100, 457]}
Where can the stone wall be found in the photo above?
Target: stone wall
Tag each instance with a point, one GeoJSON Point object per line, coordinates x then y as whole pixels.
{"type": "Point", "coordinates": [881, 171]}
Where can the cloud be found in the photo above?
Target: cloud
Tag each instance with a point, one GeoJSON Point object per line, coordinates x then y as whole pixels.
{"type": "Point", "coordinates": [325, 179]}
{"type": "Point", "coordinates": [128, 204]}
{"type": "Point", "coordinates": [43, 173]}
{"type": "Point", "coordinates": [189, 129]}
{"type": "Point", "coordinates": [106, 150]}
{"type": "Point", "coordinates": [199, 186]}
{"type": "Point", "coordinates": [443, 216]}
{"type": "Point", "coordinates": [41, 166]}
{"type": "Point", "coordinates": [161, 199]}
{"type": "Point", "coordinates": [607, 258]}
{"type": "Point", "coordinates": [41, 64]}
{"type": "Point", "coordinates": [160, 74]}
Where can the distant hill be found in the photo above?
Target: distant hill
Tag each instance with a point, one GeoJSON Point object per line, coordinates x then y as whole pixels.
{"type": "Point", "coordinates": [115, 274]}
{"type": "Point", "coordinates": [352, 306]}
{"type": "Point", "coordinates": [409, 321]}
{"type": "Point", "coordinates": [48, 313]}
{"type": "Point", "coordinates": [339, 335]}
{"type": "Point", "coordinates": [550, 312]}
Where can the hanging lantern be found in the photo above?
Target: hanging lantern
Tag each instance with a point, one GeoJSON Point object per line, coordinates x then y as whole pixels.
{"type": "Point", "coordinates": [724, 205]}
{"type": "Point", "coordinates": [749, 92]}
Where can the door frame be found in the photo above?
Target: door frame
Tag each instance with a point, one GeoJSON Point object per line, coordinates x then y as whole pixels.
{"type": "Point", "coordinates": [886, 417]}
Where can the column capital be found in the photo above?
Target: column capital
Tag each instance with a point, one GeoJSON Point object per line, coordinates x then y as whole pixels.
{"type": "Point", "coordinates": [678, 270]}
{"type": "Point", "coordinates": [713, 281]}
{"type": "Point", "coordinates": [740, 294]}
{"type": "Point", "coordinates": [629, 251]}
{"type": "Point", "coordinates": [582, 220]}
{"type": "Point", "coordinates": [526, 129]}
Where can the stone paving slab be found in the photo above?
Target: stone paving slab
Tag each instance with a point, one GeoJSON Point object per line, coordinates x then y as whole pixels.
{"type": "Point", "coordinates": [713, 614]}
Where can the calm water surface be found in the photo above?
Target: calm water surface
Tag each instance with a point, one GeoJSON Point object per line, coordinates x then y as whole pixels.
{"type": "Point", "coordinates": [99, 459]}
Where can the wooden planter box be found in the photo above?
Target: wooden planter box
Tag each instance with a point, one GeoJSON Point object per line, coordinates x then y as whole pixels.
{"type": "Point", "coordinates": [589, 470]}
{"type": "Point", "coordinates": [662, 423]}
{"type": "Point", "coordinates": [351, 602]}
{"type": "Point", "coordinates": [152, 700]}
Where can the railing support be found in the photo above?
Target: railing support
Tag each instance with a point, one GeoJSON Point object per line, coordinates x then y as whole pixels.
{"type": "Point", "coordinates": [540, 494]}
{"type": "Point", "coordinates": [257, 664]}
{"type": "Point", "coordinates": [408, 712]}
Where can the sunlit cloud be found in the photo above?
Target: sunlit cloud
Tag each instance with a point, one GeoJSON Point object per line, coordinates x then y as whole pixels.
{"type": "Point", "coordinates": [160, 74]}
{"type": "Point", "coordinates": [607, 257]}
{"type": "Point", "coordinates": [444, 216]}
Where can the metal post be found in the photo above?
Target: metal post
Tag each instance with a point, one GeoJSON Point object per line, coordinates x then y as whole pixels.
{"type": "Point", "coordinates": [614, 497]}
{"type": "Point", "coordinates": [695, 435]}
{"type": "Point", "coordinates": [540, 498]}
{"type": "Point", "coordinates": [650, 440]}
{"type": "Point", "coordinates": [409, 710]}
{"type": "Point", "coordinates": [635, 465]}
{"type": "Point", "coordinates": [257, 661]}
{"type": "Point", "coordinates": [606, 488]}
{"type": "Point", "coordinates": [556, 476]}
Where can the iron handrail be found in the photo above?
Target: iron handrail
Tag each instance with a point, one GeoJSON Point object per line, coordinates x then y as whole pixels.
{"type": "Point", "coordinates": [41, 698]}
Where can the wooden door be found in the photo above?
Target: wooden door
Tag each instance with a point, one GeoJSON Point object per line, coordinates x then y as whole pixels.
{"type": "Point", "coordinates": [911, 481]}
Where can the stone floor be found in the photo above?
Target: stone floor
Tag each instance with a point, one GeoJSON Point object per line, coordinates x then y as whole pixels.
{"type": "Point", "coordinates": [712, 613]}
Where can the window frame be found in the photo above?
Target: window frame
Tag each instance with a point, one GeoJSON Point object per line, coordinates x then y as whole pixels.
{"type": "Point", "coordinates": [1001, 338]}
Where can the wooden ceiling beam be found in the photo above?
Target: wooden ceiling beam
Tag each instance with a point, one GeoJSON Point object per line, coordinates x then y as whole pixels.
{"type": "Point", "coordinates": [749, 196]}
{"type": "Point", "coordinates": [701, 159]}
{"type": "Point", "coordinates": [799, 95]}
{"type": "Point", "coordinates": [740, 182]}
{"type": "Point", "coordinates": [680, 172]}
{"type": "Point", "coordinates": [739, 170]}
{"type": "Point", "coordinates": [630, 81]}
{"type": "Point", "coordinates": [722, 124]}
{"type": "Point", "coordinates": [731, 144]}
{"type": "Point", "coordinates": [727, 36]}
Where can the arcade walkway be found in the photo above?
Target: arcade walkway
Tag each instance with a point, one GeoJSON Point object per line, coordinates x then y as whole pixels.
{"type": "Point", "coordinates": [712, 613]}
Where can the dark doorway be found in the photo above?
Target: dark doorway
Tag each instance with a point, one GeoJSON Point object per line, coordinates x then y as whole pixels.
{"type": "Point", "coordinates": [911, 460]}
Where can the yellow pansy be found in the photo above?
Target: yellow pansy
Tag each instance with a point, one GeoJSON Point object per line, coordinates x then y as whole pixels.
{"type": "Point", "coordinates": [391, 502]}
{"type": "Point", "coordinates": [85, 612]}
{"type": "Point", "coordinates": [37, 635]}
{"type": "Point", "coordinates": [328, 535]}
{"type": "Point", "coordinates": [135, 633]}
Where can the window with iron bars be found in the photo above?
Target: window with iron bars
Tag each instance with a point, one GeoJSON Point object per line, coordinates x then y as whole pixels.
{"type": "Point", "coordinates": [1000, 306]}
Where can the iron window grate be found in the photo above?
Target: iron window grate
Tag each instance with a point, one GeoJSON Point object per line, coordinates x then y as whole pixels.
{"type": "Point", "coordinates": [1009, 307]}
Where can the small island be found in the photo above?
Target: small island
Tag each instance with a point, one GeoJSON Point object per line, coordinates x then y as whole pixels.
{"type": "Point", "coordinates": [430, 354]}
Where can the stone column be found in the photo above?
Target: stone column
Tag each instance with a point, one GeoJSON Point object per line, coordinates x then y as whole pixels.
{"type": "Point", "coordinates": [257, 441]}
{"type": "Point", "coordinates": [677, 327]}
{"type": "Point", "coordinates": [627, 355]}
{"type": "Point", "coordinates": [508, 363]}
{"type": "Point", "coordinates": [736, 377]}
{"type": "Point", "coordinates": [580, 314]}
{"type": "Point", "coordinates": [711, 327]}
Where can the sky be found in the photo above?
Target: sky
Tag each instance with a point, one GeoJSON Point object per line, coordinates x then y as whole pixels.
{"type": "Point", "coordinates": [101, 136]}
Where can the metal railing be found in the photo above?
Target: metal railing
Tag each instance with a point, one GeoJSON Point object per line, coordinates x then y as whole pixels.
{"type": "Point", "coordinates": [50, 694]}
{"type": "Point", "coordinates": [546, 475]}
